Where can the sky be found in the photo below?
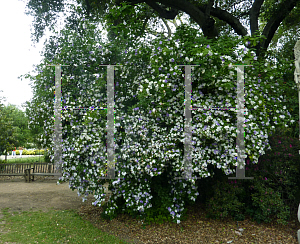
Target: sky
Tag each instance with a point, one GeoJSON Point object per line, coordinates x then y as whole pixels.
{"type": "Point", "coordinates": [19, 53]}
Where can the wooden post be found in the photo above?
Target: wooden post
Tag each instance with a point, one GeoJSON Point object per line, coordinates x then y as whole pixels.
{"type": "Point", "coordinates": [297, 80]}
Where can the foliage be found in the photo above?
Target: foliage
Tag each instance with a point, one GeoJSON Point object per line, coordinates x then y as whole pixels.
{"type": "Point", "coordinates": [47, 156]}
{"type": "Point", "coordinates": [271, 194]}
{"type": "Point", "coordinates": [83, 165]}
{"type": "Point", "coordinates": [225, 202]}
{"type": "Point", "coordinates": [8, 131]}
{"type": "Point", "coordinates": [270, 18]}
{"type": "Point", "coordinates": [20, 122]}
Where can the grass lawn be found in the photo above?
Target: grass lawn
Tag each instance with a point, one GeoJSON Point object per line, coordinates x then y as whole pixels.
{"type": "Point", "coordinates": [54, 226]}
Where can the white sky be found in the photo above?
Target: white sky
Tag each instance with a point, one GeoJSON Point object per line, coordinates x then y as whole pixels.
{"type": "Point", "coordinates": [18, 54]}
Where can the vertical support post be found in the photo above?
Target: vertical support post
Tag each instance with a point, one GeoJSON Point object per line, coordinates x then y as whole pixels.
{"type": "Point", "coordinates": [187, 124]}
{"type": "Point", "coordinates": [240, 170]}
{"type": "Point", "coordinates": [110, 123]}
{"type": "Point", "coordinates": [57, 123]}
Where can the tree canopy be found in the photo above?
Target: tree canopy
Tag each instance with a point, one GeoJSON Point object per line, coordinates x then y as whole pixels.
{"type": "Point", "coordinates": [268, 18]}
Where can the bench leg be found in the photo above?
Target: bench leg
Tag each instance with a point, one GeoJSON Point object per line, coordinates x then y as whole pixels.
{"type": "Point", "coordinates": [25, 175]}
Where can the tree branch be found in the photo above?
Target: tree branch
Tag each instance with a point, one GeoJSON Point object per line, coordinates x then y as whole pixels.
{"type": "Point", "coordinates": [208, 7]}
{"type": "Point", "coordinates": [253, 14]}
{"type": "Point", "coordinates": [168, 27]}
{"type": "Point", "coordinates": [285, 8]}
{"type": "Point", "coordinates": [244, 14]}
{"type": "Point", "coordinates": [174, 23]}
{"type": "Point", "coordinates": [207, 25]}
{"type": "Point", "coordinates": [163, 13]}
{"type": "Point", "coordinates": [146, 21]}
{"type": "Point", "coordinates": [228, 18]}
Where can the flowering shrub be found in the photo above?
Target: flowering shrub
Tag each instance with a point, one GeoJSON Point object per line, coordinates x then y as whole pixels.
{"type": "Point", "coordinates": [276, 179]}
{"type": "Point", "coordinates": [149, 135]}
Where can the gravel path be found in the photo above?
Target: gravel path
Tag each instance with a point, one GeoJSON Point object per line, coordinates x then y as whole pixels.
{"type": "Point", "coordinates": [42, 194]}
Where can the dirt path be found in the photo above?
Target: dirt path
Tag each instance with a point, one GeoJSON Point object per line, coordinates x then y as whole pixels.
{"type": "Point", "coordinates": [42, 194]}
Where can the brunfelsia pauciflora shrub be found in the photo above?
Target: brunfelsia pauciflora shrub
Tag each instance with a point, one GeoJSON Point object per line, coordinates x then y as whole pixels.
{"type": "Point", "coordinates": [161, 200]}
{"type": "Point", "coordinates": [266, 197]}
{"type": "Point", "coordinates": [138, 159]}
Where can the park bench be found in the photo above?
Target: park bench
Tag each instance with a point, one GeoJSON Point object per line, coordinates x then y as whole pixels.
{"type": "Point", "coordinates": [15, 170]}
{"type": "Point", "coordinates": [41, 169]}
{"type": "Point", "coordinates": [38, 169]}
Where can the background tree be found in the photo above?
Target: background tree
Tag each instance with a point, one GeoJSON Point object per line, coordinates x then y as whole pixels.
{"type": "Point", "coordinates": [8, 132]}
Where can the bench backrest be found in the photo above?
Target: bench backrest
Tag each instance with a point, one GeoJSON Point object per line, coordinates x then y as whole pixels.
{"type": "Point", "coordinates": [20, 168]}
{"type": "Point", "coordinates": [13, 168]}
{"type": "Point", "coordinates": [44, 168]}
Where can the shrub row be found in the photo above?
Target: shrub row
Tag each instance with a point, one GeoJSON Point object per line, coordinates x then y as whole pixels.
{"type": "Point", "coordinates": [30, 152]}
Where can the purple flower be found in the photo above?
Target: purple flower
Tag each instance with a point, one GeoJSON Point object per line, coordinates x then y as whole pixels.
{"type": "Point", "coordinates": [207, 46]}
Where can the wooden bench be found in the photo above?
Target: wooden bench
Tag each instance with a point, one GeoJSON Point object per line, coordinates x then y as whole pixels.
{"type": "Point", "coordinates": [41, 169]}
{"type": "Point", "coordinates": [15, 170]}
{"type": "Point", "coordinates": [38, 169]}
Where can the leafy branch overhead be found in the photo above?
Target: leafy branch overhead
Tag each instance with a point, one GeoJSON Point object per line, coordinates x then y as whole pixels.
{"type": "Point", "coordinates": [206, 14]}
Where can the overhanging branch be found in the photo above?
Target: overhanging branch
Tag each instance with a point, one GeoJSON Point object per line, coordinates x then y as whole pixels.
{"type": "Point", "coordinates": [228, 18]}
{"type": "Point", "coordinates": [285, 8]}
{"type": "Point", "coordinates": [163, 13]}
{"type": "Point", "coordinates": [253, 14]}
